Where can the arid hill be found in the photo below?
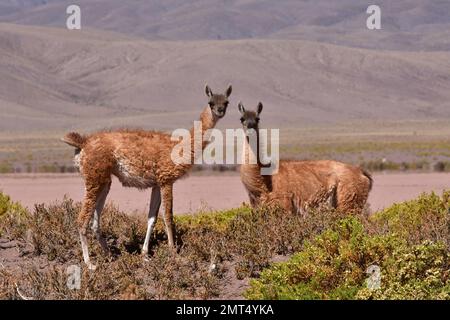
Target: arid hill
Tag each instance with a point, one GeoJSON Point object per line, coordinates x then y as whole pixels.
{"type": "Point", "coordinates": [406, 25]}
{"type": "Point", "coordinates": [56, 78]}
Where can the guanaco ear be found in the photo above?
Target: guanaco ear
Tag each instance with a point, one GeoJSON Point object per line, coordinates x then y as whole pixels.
{"type": "Point", "coordinates": [229, 90]}
{"type": "Point", "coordinates": [260, 108]}
{"type": "Point", "coordinates": [208, 91]}
{"type": "Point", "coordinates": [241, 108]}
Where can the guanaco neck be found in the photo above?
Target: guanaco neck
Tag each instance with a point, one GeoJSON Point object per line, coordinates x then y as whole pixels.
{"type": "Point", "coordinates": [208, 121]}
{"type": "Point", "coordinates": [251, 172]}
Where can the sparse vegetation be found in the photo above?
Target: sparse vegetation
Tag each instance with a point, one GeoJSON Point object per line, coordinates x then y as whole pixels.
{"type": "Point", "coordinates": [426, 152]}
{"type": "Point", "coordinates": [224, 239]}
{"type": "Point", "coordinates": [409, 242]}
{"type": "Point", "coordinates": [384, 165]}
{"type": "Point", "coordinates": [13, 217]}
{"type": "Point", "coordinates": [330, 253]}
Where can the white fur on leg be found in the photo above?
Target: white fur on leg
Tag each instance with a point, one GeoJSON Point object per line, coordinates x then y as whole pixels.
{"type": "Point", "coordinates": [97, 215]}
{"type": "Point", "coordinates": [155, 203]}
{"type": "Point", "coordinates": [96, 228]}
{"type": "Point", "coordinates": [84, 248]}
{"type": "Point", "coordinates": [150, 224]}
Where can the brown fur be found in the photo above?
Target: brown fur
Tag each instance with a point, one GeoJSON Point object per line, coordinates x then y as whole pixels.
{"type": "Point", "coordinates": [300, 185]}
{"type": "Point", "coordinates": [139, 159]}
{"type": "Point", "coordinates": [75, 140]}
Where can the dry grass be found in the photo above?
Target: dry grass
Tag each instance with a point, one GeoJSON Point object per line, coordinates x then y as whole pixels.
{"type": "Point", "coordinates": [213, 248]}
{"type": "Point", "coordinates": [209, 246]}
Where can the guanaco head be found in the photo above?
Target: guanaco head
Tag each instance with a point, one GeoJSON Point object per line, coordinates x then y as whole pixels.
{"type": "Point", "coordinates": [250, 119]}
{"type": "Point", "coordinates": [218, 102]}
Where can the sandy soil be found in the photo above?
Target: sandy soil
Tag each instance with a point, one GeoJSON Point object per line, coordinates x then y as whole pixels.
{"type": "Point", "coordinates": [196, 193]}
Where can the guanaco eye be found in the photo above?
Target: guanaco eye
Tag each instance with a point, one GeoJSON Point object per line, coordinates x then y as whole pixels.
{"type": "Point", "coordinates": [225, 104]}
{"type": "Point", "coordinates": [242, 120]}
{"type": "Point", "coordinates": [257, 119]}
{"type": "Point", "coordinates": [211, 104]}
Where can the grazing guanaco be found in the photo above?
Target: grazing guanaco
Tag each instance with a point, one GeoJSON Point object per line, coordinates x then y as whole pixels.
{"type": "Point", "coordinates": [300, 185]}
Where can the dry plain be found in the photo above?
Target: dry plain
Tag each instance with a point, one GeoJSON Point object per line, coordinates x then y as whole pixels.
{"type": "Point", "coordinates": [204, 193]}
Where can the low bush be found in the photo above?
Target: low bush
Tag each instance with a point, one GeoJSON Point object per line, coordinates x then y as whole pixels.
{"type": "Point", "coordinates": [256, 237]}
{"type": "Point", "coordinates": [424, 218]}
{"type": "Point", "coordinates": [13, 218]}
{"type": "Point", "coordinates": [413, 272]}
{"type": "Point", "coordinates": [408, 242]}
{"type": "Point", "coordinates": [165, 276]}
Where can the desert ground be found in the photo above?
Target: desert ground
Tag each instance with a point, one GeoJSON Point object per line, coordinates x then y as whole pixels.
{"type": "Point", "coordinates": [378, 99]}
{"type": "Point", "coordinates": [204, 193]}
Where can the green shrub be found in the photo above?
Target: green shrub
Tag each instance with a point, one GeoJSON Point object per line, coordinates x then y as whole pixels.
{"type": "Point", "coordinates": [408, 241]}
{"type": "Point", "coordinates": [332, 266]}
{"type": "Point", "coordinates": [218, 220]}
{"type": "Point", "coordinates": [13, 218]}
{"type": "Point", "coordinates": [417, 272]}
{"type": "Point", "coordinates": [424, 218]}
{"type": "Point", "coordinates": [254, 238]}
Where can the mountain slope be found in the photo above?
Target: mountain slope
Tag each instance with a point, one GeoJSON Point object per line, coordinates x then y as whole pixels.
{"type": "Point", "coordinates": [406, 25]}
{"type": "Point", "coordinates": [58, 79]}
